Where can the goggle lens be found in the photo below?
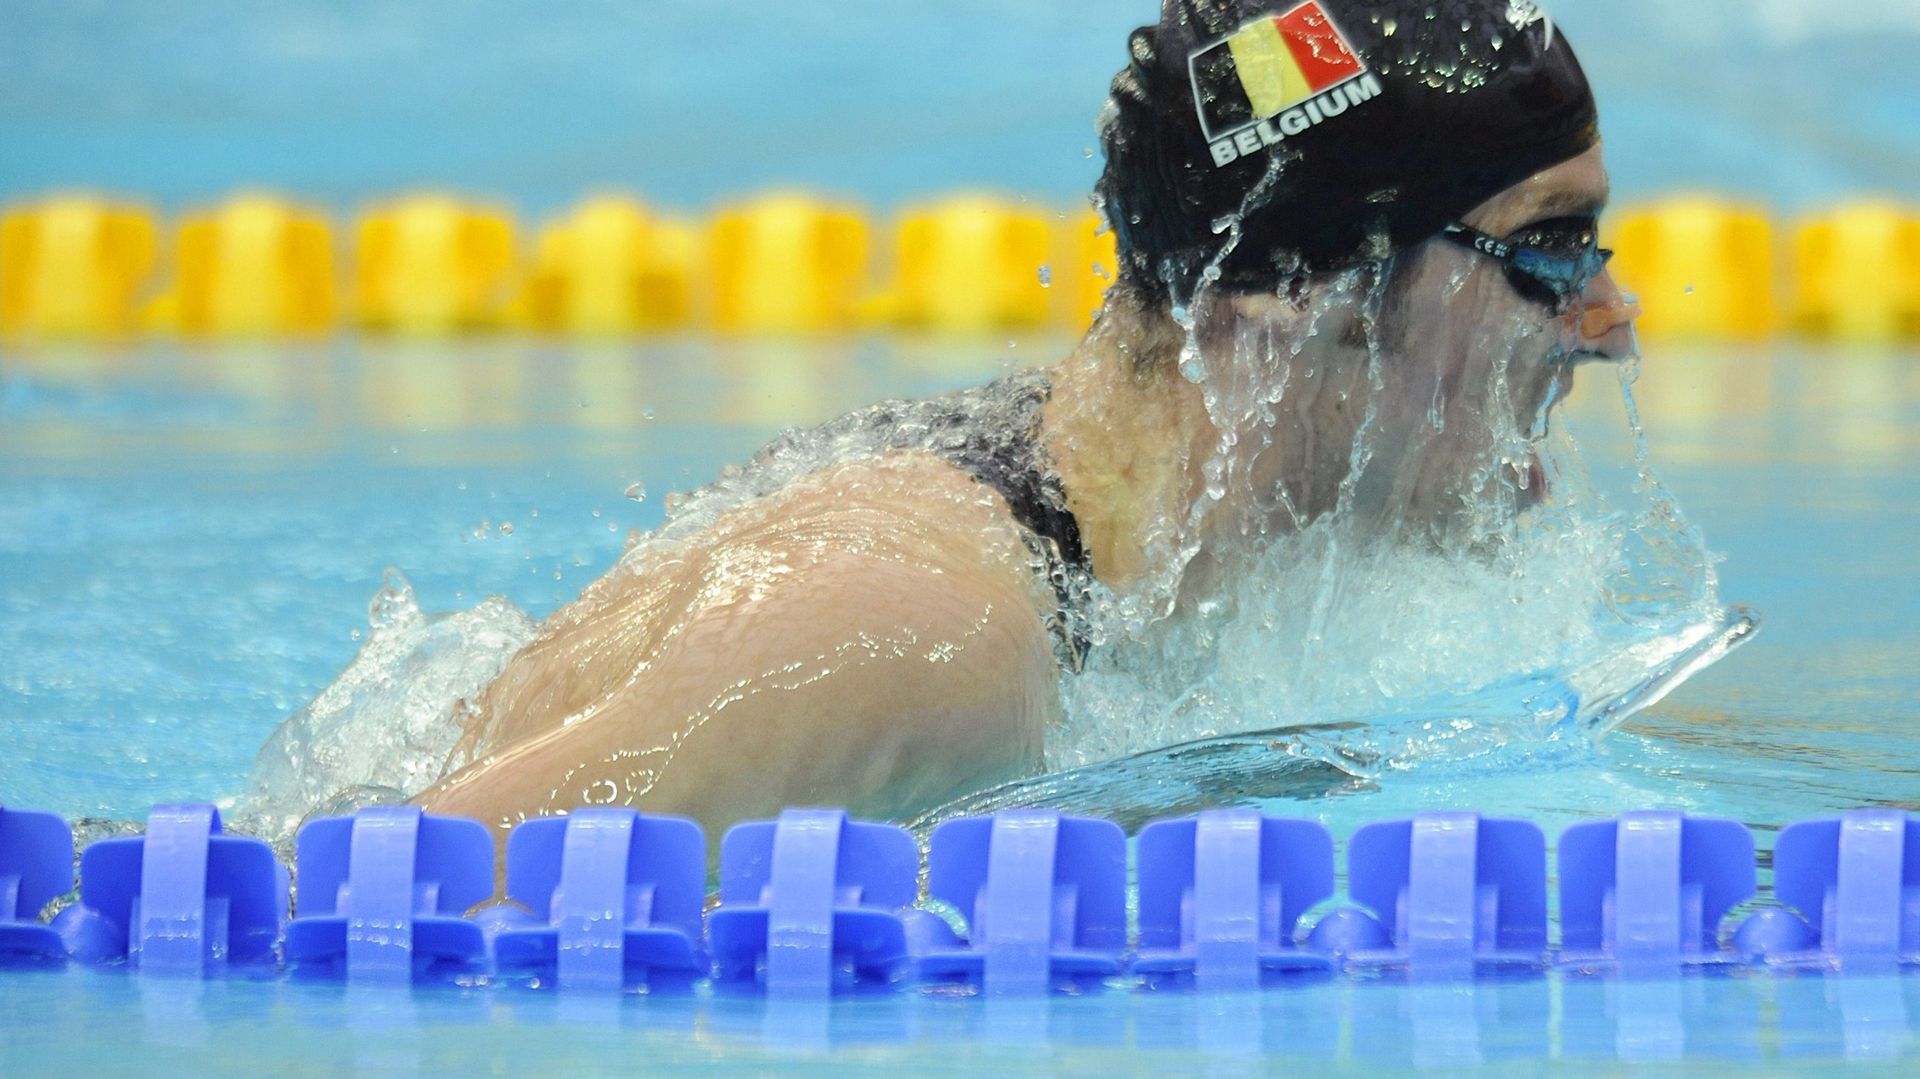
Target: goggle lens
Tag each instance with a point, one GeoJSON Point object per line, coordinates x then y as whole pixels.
{"type": "Point", "coordinates": [1549, 262]}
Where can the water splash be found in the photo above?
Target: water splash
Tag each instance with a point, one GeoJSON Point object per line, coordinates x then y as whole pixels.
{"type": "Point", "coordinates": [1461, 562]}
{"type": "Point", "coordinates": [388, 725]}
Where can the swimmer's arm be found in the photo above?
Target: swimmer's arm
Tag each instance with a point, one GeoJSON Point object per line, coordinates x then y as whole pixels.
{"type": "Point", "coordinates": [876, 647]}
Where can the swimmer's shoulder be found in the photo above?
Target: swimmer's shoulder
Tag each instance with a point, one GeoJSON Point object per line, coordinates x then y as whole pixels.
{"type": "Point", "coordinates": [902, 538]}
{"type": "Point", "coordinates": [909, 588]}
{"type": "Point", "coordinates": [908, 507]}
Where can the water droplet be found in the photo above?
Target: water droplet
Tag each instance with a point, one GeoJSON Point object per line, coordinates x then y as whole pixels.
{"type": "Point", "coordinates": [506, 528]}
{"type": "Point", "coordinates": [1086, 152]}
{"type": "Point", "coordinates": [596, 511]}
{"type": "Point", "coordinates": [646, 413]}
{"type": "Point", "coordinates": [637, 492]}
{"type": "Point", "coordinates": [461, 486]}
{"type": "Point", "coordinates": [1689, 290]}
{"type": "Point", "coordinates": [533, 513]}
{"type": "Point", "coordinates": [613, 526]}
{"type": "Point", "coordinates": [1046, 277]}
{"type": "Point", "coordinates": [355, 634]}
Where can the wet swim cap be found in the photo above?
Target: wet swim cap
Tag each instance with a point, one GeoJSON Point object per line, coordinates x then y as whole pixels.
{"type": "Point", "coordinates": [1388, 119]}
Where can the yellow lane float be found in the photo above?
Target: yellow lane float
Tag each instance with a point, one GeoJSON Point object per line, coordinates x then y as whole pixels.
{"type": "Point", "coordinates": [610, 267]}
{"type": "Point", "coordinates": [433, 264]}
{"type": "Point", "coordinates": [1702, 266]}
{"type": "Point", "coordinates": [788, 263]}
{"type": "Point", "coordinates": [73, 265]}
{"type": "Point", "coordinates": [1856, 273]}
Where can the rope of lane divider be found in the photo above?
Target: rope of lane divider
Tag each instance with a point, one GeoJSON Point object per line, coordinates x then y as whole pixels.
{"type": "Point", "coordinates": [816, 904]}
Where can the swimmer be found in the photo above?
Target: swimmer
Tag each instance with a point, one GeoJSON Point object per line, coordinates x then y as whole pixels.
{"type": "Point", "coordinates": [1333, 218]}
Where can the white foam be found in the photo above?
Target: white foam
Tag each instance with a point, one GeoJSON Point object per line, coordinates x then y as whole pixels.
{"type": "Point", "coordinates": [388, 726]}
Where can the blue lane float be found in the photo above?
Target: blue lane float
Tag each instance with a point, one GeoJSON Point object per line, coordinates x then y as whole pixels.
{"type": "Point", "coordinates": [1022, 902]}
{"type": "Point", "coordinates": [613, 900]}
{"type": "Point", "coordinates": [36, 867]}
{"type": "Point", "coordinates": [811, 904]}
{"type": "Point", "coordinates": [1221, 895]}
{"type": "Point", "coordinates": [1649, 890]}
{"type": "Point", "coordinates": [1044, 896]}
{"type": "Point", "coordinates": [184, 899]}
{"type": "Point", "coordinates": [382, 894]}
{"type": "Point", "coordinates": [1855, 883]}
{"type": "Point", "coordinates": [1456, 892]}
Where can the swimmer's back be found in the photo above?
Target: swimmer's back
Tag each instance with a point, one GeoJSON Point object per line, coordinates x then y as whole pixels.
{"type": "Point", "coordinates": [873, 633]}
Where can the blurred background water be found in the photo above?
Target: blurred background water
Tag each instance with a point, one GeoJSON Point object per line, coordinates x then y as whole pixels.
{"type": "Point", "coordinates": [337, 101]}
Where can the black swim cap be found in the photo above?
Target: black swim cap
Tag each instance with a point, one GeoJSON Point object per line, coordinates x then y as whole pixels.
{"type": "Point", "coordinates": [1389, 119]}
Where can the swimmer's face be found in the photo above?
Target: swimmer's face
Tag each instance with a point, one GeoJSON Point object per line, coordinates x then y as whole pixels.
{"type": "Point", "coordinates": [1490, 358]}
{"type": "Point", "coordinates": [1469, 365]}
{"type": "Point", "coordinates": [1597, 324]}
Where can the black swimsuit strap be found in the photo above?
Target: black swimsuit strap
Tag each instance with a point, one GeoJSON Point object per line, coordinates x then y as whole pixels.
{"type": "Point", "coordinates": [991, 433]}
{"type": "Point", "coordinates": [1006, 455]}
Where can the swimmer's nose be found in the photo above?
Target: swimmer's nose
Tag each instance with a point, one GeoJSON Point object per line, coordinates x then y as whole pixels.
{"type": "Point", "coordinates": [1606, 320]}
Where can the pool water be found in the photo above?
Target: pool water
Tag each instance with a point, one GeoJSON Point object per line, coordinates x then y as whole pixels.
{"type": "Point", "coordinates": [94, 1022]}
{"type": "Point", "coordinates": [189, 538]}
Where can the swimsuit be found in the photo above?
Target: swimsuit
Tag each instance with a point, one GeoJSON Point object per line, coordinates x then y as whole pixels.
{"type": "Point", "coordinates": [991, 433]}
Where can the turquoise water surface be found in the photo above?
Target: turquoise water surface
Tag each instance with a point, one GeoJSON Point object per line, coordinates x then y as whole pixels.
{"type": "Point", "coordinates": [189, 538]}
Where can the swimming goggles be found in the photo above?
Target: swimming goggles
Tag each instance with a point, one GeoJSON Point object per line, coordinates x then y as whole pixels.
{"type": "Point", "coordinates": [1550, 262]}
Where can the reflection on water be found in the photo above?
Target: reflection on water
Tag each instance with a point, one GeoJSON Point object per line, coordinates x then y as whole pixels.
{"type": "Point", "coordinates": [1702, 402]}
{"type": "Point", "coordinates": [90, 1022]}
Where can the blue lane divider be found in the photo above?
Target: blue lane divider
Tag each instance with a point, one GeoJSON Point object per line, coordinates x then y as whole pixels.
{"type": "Point", "coordinates": [1045, 899]}
{"type": "Point", "coordinates": [814, 903]}
{"type": "Point", "coordinates": [1855, 881]}
{"type": "Point", "coordinates": [811, 904]}
{"type": "Point", "coordinates": [1650, 889]}
{"type": "Point", "coordinates": [382, 894]}
{"type": "Point", "coordinates": [1221, 895]}
{"type": "Point", "coordinates": [1463, 891]}
{"type": "Point", "coordinates": [614, 899]}
{"type": "Point", "coordinates": [36, 867]}
{"type": "Point", "coordinates": [183, 899]}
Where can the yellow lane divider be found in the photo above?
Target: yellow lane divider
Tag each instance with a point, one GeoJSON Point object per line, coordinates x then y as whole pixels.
{"type": "Point", "coordinates": [793, 264]}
